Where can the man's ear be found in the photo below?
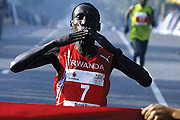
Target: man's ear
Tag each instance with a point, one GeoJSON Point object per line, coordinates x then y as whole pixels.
{"type": "Point", "coordinates": [71, 24]}
{"type": "Point", "coordinates": [99, 27]}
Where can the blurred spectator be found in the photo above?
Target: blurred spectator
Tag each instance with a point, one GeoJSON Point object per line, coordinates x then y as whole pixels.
{"type": "Point", "coordinates": [3, 7]}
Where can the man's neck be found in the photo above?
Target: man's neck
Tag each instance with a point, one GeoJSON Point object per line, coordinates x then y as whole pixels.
{"type": "Point", "coordinates": [142, 5]}
{"type": "Point", "coordinates": [88, 51]}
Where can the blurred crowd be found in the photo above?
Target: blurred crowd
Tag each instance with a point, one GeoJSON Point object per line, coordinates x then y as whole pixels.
{"type": "Point", "coordinates": [16, 13]}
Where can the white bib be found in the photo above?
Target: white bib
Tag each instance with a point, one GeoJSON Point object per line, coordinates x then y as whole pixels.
{"type": "Point", "coordinates": [141, 18]}
{"type": "Point", "coordinates": [88, 77]}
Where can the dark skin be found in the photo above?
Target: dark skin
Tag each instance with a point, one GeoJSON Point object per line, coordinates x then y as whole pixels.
{"type": "Point", "coordinates": [129, 11]}
{"type": "Point", "coordinates": [85, 24]}
{"type": "Point", "coordinates": [160, 112]}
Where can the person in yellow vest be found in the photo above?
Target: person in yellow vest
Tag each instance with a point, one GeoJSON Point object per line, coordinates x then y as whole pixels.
{"type": "Point", "coordinates": [141, 19]}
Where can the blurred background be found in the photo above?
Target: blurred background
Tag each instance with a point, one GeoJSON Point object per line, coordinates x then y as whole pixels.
{"type": "Point", "coordinates": [51, 13]}
{"type": "Point", "coordinates": [30, 23]}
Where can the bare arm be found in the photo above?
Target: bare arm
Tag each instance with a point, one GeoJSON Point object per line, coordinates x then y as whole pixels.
{"type": "Point", "coordinates": [160, 112]}
{"type": "Point", "coordinates": [152, 18]}
{"type": "Point", "coordinates": [131, 69]}
{"type": "Point", "coordinates": [42, 55]}
{"type": "Point", "coordinates": [122, 63]}
{"type": "Point", "coordinates": [127, 14]}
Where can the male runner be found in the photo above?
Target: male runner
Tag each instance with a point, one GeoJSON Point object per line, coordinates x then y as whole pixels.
{"type": "Point", "coordinates": [83, 69]}
{"type": "Point", "coordinates": [142, 17]}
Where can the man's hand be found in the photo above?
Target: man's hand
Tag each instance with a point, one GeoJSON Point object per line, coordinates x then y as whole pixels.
{"type": "Point", "coordinates": [93, 34]}
{"type": "Point", "coordinates": [70, 38]}
{"type": "Point", "coordinates": [102, 41]}
{"type": "Point", "coordinates": [157, 112]}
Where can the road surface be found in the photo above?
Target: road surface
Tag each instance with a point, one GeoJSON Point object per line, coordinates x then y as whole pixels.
{"type": "Point", "coordinates": [36, 86]}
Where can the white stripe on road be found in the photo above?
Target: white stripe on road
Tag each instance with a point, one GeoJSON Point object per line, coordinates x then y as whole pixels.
{"type": "Point", "coordinates": [126, 42]}
{"type": "Point", "coordinates": [5, 71]}
{"type": "Point", "coordinates": [157, 93]}
{"type": "Point", "coordinates": [44, 39]}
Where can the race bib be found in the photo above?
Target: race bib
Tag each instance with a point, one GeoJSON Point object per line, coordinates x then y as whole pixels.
{"type": "Point", "coordinates": [141, 18]}
{"type": "Point", "coordinates": [87, 77]}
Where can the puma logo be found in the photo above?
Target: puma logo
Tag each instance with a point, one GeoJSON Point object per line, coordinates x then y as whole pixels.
{"type": "Point", "coordinates": [107, 59]}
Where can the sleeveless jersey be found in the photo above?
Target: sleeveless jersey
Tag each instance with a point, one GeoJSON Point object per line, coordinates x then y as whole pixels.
{"type": "Point", "coordinates": [84, 81]}
{"type": "Point", "coordinates": [140, 24]}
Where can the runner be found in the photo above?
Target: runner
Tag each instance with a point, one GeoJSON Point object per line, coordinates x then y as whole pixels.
{"type": "Point", "coordinates": [142, 17]}
{"type": "Point", "coordinates": [83, 69]}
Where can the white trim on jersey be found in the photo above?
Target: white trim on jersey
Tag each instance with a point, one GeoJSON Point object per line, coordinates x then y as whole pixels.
{"type": "Point", "coordinates": [68, 59]}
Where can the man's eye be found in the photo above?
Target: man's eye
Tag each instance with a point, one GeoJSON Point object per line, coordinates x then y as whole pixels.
{"type": "Point", "coordinates": [80, 17]}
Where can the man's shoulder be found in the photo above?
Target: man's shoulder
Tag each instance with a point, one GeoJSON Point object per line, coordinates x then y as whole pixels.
{"type": "Point", "coordinates": [102, 50]}
{"type": "Point", "coordinates": [136, 5]}
{"type": "Point", "coordinates": [148, 7]}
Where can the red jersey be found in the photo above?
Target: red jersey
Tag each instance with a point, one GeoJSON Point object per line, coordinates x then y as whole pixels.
{"type": "Point", "coordinates": [84, 81]}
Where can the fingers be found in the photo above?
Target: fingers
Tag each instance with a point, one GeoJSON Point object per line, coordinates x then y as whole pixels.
{"type": "Point", "coordinates": [79, 33]}
{"type": "Point", "coordinates": [156, 112]}
{"type": "Point", "coordinates": [85, 33]}
{"type": "Point", "coordinates": [94, 34]}
{"type": "Point", "coordinates": [78, 36]}
{"type": "Point", "coordinates": [150, 117]}
{"type": "Point", "coordinates": [148, 113]}
{"type": "Point", "coordinates": [143, 112]}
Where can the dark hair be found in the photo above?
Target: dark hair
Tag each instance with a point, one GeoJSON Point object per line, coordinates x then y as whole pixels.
{"type": "Point", "coordinates": [89, 5]}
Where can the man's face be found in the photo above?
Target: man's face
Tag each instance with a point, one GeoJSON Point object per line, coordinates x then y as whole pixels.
{"type": "Point", "coordinates": [85, 16]}
{"type": "Point", "coordinates": [142, 2]}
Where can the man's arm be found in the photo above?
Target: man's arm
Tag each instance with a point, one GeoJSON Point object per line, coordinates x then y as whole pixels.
{"type": "Point", "coordinates": [127, 14]}
{"type": "Point", "coordinates": [153, 23]}
{"type": "Point", "coordinates": [40, 56]}
{"type": "Point", "coordinates": [31, 58]}
{"type": "Point", "coordinates": [131, 69]}
{"type": "Point", "coordinates": [160, 112]}
{"type": "Point", "coordinates": [122, 63]}
{"type": "Point", "coordinates": [152, 18]}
